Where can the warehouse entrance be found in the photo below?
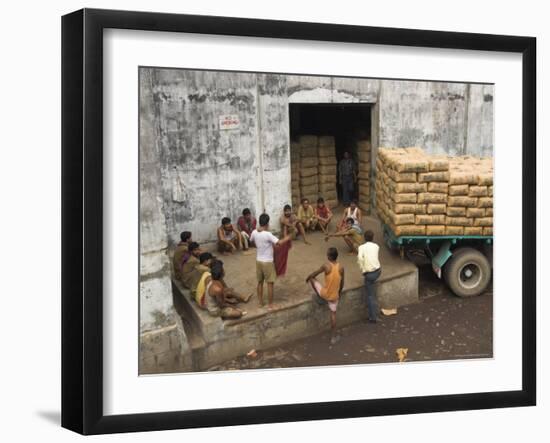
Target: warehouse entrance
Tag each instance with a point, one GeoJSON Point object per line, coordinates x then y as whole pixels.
{"type": "Point", "coordinates": [321, 134]}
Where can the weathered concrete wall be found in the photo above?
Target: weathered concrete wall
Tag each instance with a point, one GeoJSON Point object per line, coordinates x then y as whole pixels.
{"type": "Point", "coordinates": [161, 340]}
{"type": "Point", "coordinates": [273, 143]}
{"type": "Point", "coordinates": [445, 118]}
{"type": "Point", "coordinates": [207, 173]}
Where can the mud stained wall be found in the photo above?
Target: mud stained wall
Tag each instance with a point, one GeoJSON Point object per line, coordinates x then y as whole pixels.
{"type": "Point", "coordinates": [446, 118]}
{"type": "Point", "coordinates": [205, 173]}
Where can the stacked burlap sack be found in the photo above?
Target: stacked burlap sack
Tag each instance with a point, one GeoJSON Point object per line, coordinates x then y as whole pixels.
{"type": "Point", "coordinates": [309, 167]}
{"type": "Point", "coordinates": [295, 172]}
{"type": "Point", "coordinates": [470, 203]}
{"type": "Point", "coordinates": [363, 174]}
{"type": "Point", "coordinates": [327, 170]}
{"type": "Point", "coordinates": [420, 194]}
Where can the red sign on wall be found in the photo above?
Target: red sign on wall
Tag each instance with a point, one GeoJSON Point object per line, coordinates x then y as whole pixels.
{"type": "Point", "coordinates": [229, 122]}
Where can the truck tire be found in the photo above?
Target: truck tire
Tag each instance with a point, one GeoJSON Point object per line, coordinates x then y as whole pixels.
{"type": "Point", "coordinates": [468, 272]}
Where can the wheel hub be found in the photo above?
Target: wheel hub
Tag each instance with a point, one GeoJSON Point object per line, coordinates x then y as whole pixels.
{"type": "Point", "coordinates": [470, 275]}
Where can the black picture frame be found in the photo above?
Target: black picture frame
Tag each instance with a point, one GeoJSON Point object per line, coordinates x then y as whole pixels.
{"type": "Point", "coordinates": [82, 218]}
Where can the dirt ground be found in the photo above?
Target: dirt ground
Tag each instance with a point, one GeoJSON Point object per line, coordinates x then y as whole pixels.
{"type": "Point", "coordinates": [440, 327]}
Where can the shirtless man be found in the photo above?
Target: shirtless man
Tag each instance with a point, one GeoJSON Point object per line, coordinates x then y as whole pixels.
{"type": "Point", "coordinates": [215, 295]}
{"type": "Point", "coordinates": [352, 233]}
{"type": "Point", "coordinates": [306, 216]}
{"type": "Point", "coordinates": [290, 225]}
{"type": "Point", "coordinates": [229, 239]}
{"type": "Point", "coordinates": [330, 292]}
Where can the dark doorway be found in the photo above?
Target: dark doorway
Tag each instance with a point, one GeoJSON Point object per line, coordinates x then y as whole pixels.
{"type": "Point", "coordinates": [347, 123]}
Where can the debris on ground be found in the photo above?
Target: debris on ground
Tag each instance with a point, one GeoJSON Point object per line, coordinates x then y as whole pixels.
{"type": "Point", "coordinates": [388, 312]}
{"type": "Point", "coordinates": [252, 353]}
{"type": "Point", "coordinates": [402, 354]}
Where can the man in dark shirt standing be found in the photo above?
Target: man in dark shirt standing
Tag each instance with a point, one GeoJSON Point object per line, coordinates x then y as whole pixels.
{"type": "Point", "coordinates": [347, 176]}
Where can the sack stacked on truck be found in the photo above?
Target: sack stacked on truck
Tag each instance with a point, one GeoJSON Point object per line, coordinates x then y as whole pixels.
{"type": "Point", "coordinates": [309, 168]}
{"type": "Point", "coordinates": [295, 172]}
{"type": "Point", "coordinates": [420, 194]}
{"type": "Point", "coordinates": [327, 170]}
{"type": "Point", "coordinates": [363, 173]}
{"type": "Point", "coordinates": [470, 204]}
{"type": "Point", "coordinates": [402, 199]}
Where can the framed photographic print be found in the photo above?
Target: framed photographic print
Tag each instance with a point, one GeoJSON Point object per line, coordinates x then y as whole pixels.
{"type": "Point", "coordinates": [269, 221]}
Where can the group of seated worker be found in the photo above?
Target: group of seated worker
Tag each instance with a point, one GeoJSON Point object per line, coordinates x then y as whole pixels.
{"type": "Point", "coordinates": [194, 268]}
{"type": "Point", "coordinates": [310, 219]}
{"type": "Point", "coordinates": [203, 275]}
{"type": "Point", "coordinates": [231, 239]}
{"type": "Point", "coordinates": [306, 219]}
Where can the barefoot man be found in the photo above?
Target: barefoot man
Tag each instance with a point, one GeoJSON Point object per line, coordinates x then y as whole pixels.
{"type": "Point", "coordinates": [265, 268]}
{"type": "Point", "coordinates": [215, 295]}
{"type": "Point", "coordinates": [306, 216]}
{"type": "Point", "coordinates": [290, 225]}
{"type": "Point", "coordinates": [330, 292]}
{"type": "Point", "coordinates": [229, 239]}
{"type": "Point", "coordinates": [352, 233]}
{"type": "Point", "coordinates": [324, 215]}
{"type": "Point", "coordinates": [352, 211]}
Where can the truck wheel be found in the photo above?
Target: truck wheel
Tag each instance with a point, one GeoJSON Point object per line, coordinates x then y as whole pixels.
{"type": "Point", "coordinates": [468, 272]}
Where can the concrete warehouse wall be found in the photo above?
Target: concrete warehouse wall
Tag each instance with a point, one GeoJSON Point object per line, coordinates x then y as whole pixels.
{"type": "Point", "coordinates": [193, 173]}
{"type": "Point", "coordinates": [445, 118]}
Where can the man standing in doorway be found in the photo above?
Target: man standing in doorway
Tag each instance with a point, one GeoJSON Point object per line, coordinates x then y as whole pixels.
{"type": "Point", "coordinates": [347, 177]}
{"type": "Point", "coordinates": [367, 259]}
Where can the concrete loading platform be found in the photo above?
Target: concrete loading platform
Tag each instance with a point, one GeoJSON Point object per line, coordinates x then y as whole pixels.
{"type": "Point", "coordinates": [295, 314]}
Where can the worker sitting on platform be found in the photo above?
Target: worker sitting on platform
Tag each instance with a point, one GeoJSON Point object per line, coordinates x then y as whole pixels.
{"type": "Point", "coordinates": [324, 215]}
{"type": "Point", "coordinates": [215, 297]}
{"type": "Point", "coordinates": [351, 211]}
{"type": "Point", "coordinates": [189, 262]}
{"type": "Point", "coordinates": [246, 224]}
{"type": "Point", "coordinates": [205, 260]}
{"type": "Point", "coordinates": [179, 252]}
{"type": "Point", "coordinates": [306, 215]}
{"type": "Point", "coordinates": [290, 225]}
{"type": "Point", "coordinates": [352, 233]}
{"type": "Point", "coordinates": [229, 239]}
